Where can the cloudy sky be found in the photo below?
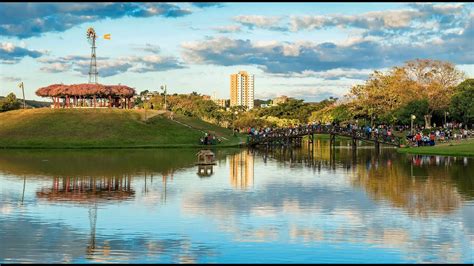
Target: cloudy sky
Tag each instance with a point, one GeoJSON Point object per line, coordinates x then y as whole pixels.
{"type": "Point", "coordinates": [305, 50]}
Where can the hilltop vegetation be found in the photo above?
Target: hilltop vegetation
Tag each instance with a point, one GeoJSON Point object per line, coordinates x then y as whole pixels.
{"type": "Point", "coordinates": [100, 128]}
{"type": "Point", "coordinates": [428, 89]}
{"type": "Point", "coordinates": [11, 102]}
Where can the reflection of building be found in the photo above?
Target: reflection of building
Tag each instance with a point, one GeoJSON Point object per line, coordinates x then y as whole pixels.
{"type": "Point", "coordinates": [242, 89]}
{"type": "Point", "coordinates": [241, 169]}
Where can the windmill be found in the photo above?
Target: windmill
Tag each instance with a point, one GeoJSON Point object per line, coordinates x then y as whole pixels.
{"type": "Point", "coordinates": [91, 36]}
{"type": "Point", "coordinates": [92, 220]}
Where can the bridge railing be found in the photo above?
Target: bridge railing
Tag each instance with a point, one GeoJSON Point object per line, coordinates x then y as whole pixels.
{"type": "Point", "coordinates": [284, 133]}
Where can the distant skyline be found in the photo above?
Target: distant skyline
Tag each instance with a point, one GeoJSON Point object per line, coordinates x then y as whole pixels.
{"type": "Point", "coordinates": [308, 51]}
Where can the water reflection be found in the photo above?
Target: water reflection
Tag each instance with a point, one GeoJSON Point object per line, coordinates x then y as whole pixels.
{"type": "Point", "coordinates": [241, 169]}
{"type": "Point", "coordinates": [278, 205]}
{"type": "Point", "coordinates": [87, 189]}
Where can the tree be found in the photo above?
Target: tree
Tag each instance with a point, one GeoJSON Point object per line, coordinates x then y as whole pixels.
{"type": "Point", "coordinates": [381, 94]}
{"type": "Point", "coordinates": [416, 107]}
{"type": "Point", "coordinates": [462, 102]}
{"type": "Point", "coordinates": [332, 113]}
{"type": "Point", "coordinates": [292, 109]}
{"type": "Point", "coordinates": [8, 103]}
{"type": "Point", "coordinates": [435, 81]}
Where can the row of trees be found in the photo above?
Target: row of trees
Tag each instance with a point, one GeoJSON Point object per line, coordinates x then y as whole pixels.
{"type": "Point", "coordinates": [428, 89]}
{"type": "Point", "coordinates": [420, 86]}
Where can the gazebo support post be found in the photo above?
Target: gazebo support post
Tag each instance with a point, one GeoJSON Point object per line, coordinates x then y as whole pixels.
{"type": "Point", "coordinates": [95, 102]}
{"type": "Point", "coordinates": [110, 101]}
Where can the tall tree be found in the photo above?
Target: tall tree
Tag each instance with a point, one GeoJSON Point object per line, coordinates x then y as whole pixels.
{"type": "Point", "coordinates": [381, 94]}
{"type": "Point", "coordinates": [435, 81]}
{"type": "Point", "coordinates": [462, 102]}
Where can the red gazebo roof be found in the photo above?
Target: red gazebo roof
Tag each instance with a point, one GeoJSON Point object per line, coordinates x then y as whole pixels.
{"type": "Point", "coordinates": [86, 89]}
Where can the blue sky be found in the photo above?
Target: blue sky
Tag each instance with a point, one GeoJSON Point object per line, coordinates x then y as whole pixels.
{"type": "Point", "coordinates": [305, 50]}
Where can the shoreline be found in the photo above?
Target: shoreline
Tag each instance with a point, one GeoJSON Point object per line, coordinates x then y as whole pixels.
{"type": "Point", "coordinates": [463, 148]}
{"type": "Point", "coordinates": [170, 146]}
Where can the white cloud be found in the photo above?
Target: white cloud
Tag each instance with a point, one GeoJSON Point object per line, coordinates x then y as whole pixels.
{"type": "Point", "coordinates": [228, 29]}
{"type": "Point", "coordinates": [259, 21]}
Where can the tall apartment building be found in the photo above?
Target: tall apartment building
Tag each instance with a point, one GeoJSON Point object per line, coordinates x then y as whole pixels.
{"type": "Point", "coordinates": [242, 89]}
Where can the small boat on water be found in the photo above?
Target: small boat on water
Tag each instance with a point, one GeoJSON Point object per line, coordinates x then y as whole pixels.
{"type": "Point", "coordinates": [206, 157]}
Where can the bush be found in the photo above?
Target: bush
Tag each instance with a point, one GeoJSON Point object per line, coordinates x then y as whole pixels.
{"type": "Point", "coordinates": [9, 103]}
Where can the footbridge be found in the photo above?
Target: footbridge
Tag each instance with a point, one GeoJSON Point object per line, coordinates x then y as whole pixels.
{"type": "Point", "coordinates": [293, 136]}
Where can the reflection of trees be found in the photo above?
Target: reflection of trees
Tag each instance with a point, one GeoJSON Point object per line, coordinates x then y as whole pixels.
{"type": "Point", "coordinates": [421, 185]}
{"type": "Point", "coordinates": [420, 196]}
{"type": "Point", "coordinates": [456, 171]}
{"type": "Point", "coordinates": [94, 162]}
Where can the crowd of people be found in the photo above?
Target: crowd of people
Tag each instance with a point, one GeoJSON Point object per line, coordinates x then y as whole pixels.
{"type": "Point", "coordinates": [418, 138]}
{"type": "Point", "coordinates": [383, 133]}
{"type": "Point", "coordinates": [209, 139]}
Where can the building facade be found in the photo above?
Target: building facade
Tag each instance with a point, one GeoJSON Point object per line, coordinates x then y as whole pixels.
{"type": "Point", "coordinates": [242, 89]}
{"type": "Point", "coordinates": [222, 102]}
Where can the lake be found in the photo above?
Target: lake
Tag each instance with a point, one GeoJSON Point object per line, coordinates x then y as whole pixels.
{"type": "Point", "coordinates": [300, 205]}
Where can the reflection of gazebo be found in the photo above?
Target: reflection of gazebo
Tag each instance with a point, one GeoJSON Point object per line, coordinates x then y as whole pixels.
{"type": "Point", "coordinates": [87, 189]}
{"type": "Point", "coordinates": [90, 191]}
{"type": "Point", "coordinates": [88, 95]}
{"type": "Point", "coordinates": [205, 170]}
{"type": "Point", "coordinates": [206, 159]}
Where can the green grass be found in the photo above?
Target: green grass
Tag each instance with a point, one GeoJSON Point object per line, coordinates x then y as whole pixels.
{"type": "Point", "coordinates": [98, 128]}
{"type": "Point", "coordinates": [222, 133]}
{"type": "Point", "coordinates": [454, 148]}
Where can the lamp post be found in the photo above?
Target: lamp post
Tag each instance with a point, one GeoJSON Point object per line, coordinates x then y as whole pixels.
{"type": "Point", "coordinates": [163, 88]}
{"type": "Point", "coordinates": [445, 121]}
{"type": "Point", "coordinates": [413, 117]}
{"type": "Point", "coordinates": [233, 121]}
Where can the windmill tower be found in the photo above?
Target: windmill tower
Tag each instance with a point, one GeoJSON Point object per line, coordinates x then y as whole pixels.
{"type": "Point", "coordinates": [93, 221]}
{"type": "Point", "coordinates": [91, 36]}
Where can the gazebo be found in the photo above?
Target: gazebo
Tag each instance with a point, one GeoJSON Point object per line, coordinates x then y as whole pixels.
{"type": "Point", "coordinates": [88, 95]}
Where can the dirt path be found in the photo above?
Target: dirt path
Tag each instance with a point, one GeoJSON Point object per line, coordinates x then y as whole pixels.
{"type": "Point", "coordinates": [149, 113]}
{"type": "Point", "coordinates": [186, 125]}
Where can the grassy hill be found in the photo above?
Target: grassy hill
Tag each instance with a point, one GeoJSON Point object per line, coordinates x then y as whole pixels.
{"type": "Point", "coordinates": [102, 128]}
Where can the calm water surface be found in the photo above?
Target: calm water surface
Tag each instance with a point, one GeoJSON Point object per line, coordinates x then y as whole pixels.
{"type": "Point", "coordinates": [282, 206]}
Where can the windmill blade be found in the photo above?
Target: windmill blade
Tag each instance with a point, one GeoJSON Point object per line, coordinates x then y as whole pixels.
{"type": "Point", "coordinates": [107, 36]}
